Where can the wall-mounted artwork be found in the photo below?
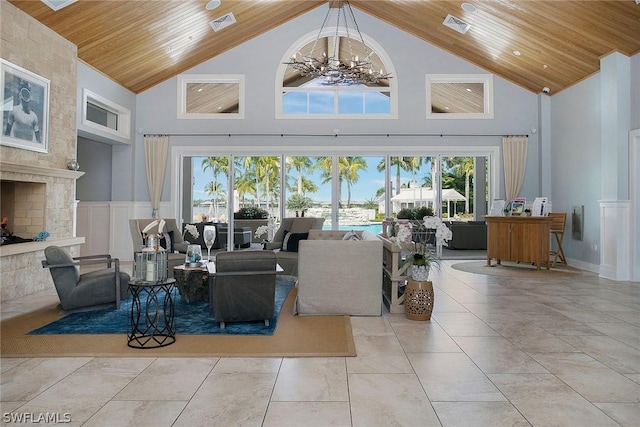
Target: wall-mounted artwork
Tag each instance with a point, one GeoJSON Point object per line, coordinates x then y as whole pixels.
{"type": "Point", "coordinates": [577, 222]}
{"type": "Point", "coordinates": [25, 108]}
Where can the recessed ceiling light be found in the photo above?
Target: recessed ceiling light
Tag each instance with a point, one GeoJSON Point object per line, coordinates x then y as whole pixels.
{"type": "Point", "coordinates": [517, 53]}
{"type": "Point", "coordinates": [468, 7]}
{"type": "Point", "coordinates": [212, 4]}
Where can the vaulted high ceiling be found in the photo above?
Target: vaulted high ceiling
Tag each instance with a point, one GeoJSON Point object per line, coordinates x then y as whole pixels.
{"type": "Point", "coordinates": [140, 43]}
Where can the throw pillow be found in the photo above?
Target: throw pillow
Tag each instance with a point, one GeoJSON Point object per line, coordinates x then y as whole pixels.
{"type": "Point", "coordinates": [283, 246]}
{"type": "Point", "coordinates": [351, 235]}
{"type": "Point", "coordinates": [291, 241]}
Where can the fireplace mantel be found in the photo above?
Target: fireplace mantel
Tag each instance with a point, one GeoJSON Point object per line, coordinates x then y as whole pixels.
{"type": "Point", "coordinates": [26, 247]}
{"type": "Point", "coordinates": [39, 170]}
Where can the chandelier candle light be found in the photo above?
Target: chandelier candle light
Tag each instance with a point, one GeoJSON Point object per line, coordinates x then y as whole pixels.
{"type": "Point", "coordinates": [331, 70]}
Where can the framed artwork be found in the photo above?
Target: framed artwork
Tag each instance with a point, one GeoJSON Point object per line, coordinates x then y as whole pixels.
{"type": "Point", "coordinates": [577, 222]}
{"type": "Point", "coordinates": [517, 206]}
{"type": "Point", "coordinates": [25, 108]}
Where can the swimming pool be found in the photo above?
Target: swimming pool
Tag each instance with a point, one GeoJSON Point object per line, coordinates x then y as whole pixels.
{"type": "Point", "coordinates": [374, 227]}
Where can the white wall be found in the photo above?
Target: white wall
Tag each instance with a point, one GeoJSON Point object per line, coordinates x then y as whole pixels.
{"type": "Point", "coordinates": [635, 91]}
{"type": "Point", "coordinates": [576, 168]}
{"type": "Point", "coordinates": [121, 153]}
{"type": "Point", "coordinates": [516, 109]}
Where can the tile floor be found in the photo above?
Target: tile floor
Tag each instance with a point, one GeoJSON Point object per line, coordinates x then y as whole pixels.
{"type": "Point", "coordinates": [497, 352]}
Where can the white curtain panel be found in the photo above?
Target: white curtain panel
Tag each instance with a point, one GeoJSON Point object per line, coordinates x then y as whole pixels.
{"type": "Point", "coordinates": [514, 156]}
{"type": "Point", "coordinates": [156, 148]}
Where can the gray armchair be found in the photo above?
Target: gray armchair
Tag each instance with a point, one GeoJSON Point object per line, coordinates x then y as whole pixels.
{"type": "Point", "coordinates": [93, 289]}
{"type": "Point", "coordinates": [243, 287]}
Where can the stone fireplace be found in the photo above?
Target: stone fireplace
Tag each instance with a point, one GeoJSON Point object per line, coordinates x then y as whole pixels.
{"type": "Point", "coordinates": [27, 173]}
{"type": "Point", "coordinates": [35, 199]}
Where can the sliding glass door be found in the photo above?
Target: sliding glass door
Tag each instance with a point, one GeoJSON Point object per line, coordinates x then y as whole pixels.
{"type": "Point", "coordinates": [348, 191]}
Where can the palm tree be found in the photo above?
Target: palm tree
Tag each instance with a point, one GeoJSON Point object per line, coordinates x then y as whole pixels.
{"type": "Point", "coordinates": [349, 169]}
{"type": "Point", "coordinates": [217, 165]}
{"type": "Point", "coordinates": [462, 167]}
{"type": "Point", "coordinates": [300, 164]}
{"type": "Point", "coordinates": [267, 175]}
{"type": "Point", "coordinates": [216, 190]}
{"type": "Point", "coordinates": [408, 164]}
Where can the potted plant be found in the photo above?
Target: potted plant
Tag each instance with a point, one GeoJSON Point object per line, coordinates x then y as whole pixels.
{"type": "Point", "coordinates": [251, 212]}
{"type": "Point", "coordinates": [420, 264]}
{"type": "Point", "coordinates": [299, 203]}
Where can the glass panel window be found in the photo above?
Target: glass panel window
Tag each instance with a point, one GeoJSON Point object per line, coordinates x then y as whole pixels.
{"type": "Point", "coordinates": [210, 96]}
{"type": "Point", "coordinates": [377, 102]}
{"type": "Point", "coordinates": [321, 102]}
{"type": "Point", "coordinates": [465, 96]}
{"type": "Point", "coordinates": [411, 183]}
{"type": "Point", "coordinates": [295, 103]}
{"type": "Point", "coordinates": [105, 115]}
{"type": "Point", "coordinates": [350, 103]}
{"type": "Point", "coordinates": [256, 183]}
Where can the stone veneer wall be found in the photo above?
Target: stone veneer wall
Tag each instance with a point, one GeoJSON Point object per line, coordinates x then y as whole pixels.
{"type": "Point", "coordinates": [32, 46]}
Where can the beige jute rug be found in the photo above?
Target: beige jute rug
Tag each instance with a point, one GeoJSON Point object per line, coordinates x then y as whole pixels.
{"type": "Point", "coordinates": [295, 336]}
{"type": "Point", "coordinates": [514, 269]}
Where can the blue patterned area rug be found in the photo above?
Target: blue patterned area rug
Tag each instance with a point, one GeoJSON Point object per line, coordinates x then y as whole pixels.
{"type": "Point", "coordinates": [190, 319]}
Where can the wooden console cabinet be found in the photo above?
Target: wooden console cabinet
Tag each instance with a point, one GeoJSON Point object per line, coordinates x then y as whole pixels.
{"type": "Point", "coordinates": [518, 238]}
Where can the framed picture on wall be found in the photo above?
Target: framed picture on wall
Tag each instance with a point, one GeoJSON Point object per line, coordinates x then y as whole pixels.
{"type": "Point", "coordinates": [25, 108]}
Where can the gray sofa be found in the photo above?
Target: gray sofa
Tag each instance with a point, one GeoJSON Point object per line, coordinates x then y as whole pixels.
{"type": "Point", "coordinates": [468, 235]}
{"type": "Point", "coordinates": [288, 259]}
{"type": "Point", "coordinates": [339, 277]}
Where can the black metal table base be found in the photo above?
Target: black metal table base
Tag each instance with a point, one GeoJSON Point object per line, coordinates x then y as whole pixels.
{"type": "Point", "coordinates": [151, 322]}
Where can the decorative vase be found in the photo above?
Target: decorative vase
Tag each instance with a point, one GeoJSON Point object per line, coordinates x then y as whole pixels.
{"type": "Point", "coordinates": [420, 273]}
{"type": "Point", "coordinates": [418, 300]}
{"type": "Point", "coordinates": [194, 255]}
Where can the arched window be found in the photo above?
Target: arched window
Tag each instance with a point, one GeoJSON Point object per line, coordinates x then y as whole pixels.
{"type": "Point", "coordinates": [304, 97]}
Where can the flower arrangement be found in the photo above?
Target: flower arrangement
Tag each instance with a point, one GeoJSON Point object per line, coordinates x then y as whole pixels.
{"type": "Point", "coordinates": [191, 229]}
{"type": "Point", "coordinates": [261, 230]}
{"type": "Point", "coordinates": [421, 258]}
{"type": "Point", "coordinates": [159, 222]}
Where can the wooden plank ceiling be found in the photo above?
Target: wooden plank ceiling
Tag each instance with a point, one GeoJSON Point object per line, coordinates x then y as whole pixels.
{"type": "Point", "coordinates": [140, 43]}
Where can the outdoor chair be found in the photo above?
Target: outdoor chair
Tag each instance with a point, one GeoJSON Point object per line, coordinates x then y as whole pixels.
{"type": "Point", "coordinates": [91, 290]}
{"type": "Point", "coordinates": [243, 287]}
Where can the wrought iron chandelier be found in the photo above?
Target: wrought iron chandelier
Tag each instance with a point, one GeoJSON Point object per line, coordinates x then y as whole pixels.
{"type": "Point", "coordinates": [333, 70]}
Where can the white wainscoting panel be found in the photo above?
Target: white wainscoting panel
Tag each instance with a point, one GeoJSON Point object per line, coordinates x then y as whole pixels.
{"type": "Point", "coordinates": [615, 236]}
{"type": "Point", "coordinates": [93, 223]}
{"type": "Point", "coordinates": [105, 226]}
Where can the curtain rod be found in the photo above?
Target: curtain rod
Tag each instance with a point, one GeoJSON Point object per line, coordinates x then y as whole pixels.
{"type": "Point", "coordinates": [334, 135]}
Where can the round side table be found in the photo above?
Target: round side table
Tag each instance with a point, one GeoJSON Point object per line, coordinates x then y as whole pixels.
{"type": "Point", "coordinates": [151, 321]}
{"type": "Point", "coordinates": [418, 300]}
